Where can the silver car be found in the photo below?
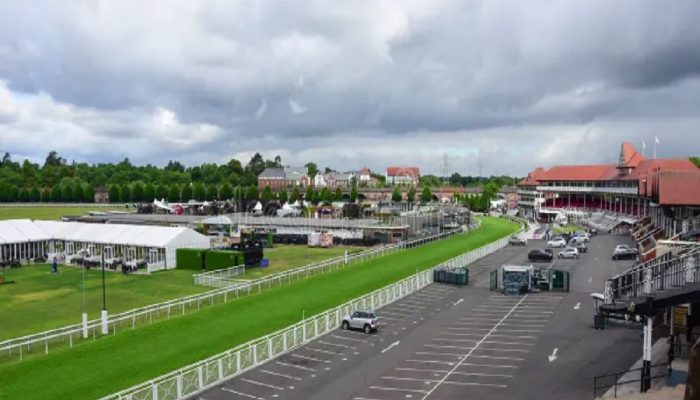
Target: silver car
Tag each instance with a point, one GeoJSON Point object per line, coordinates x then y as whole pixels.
{"type": "Point", "coordinates": [364, 320]}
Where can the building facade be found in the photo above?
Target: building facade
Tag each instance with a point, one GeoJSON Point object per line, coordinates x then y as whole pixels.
{"type": "Point", "coordinates": [402, 176]}
{"type": "Point", "coordinates": [665, 191]}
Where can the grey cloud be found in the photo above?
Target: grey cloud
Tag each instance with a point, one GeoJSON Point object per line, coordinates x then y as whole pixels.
{"type": "Point", "coordinates": [504, 75]}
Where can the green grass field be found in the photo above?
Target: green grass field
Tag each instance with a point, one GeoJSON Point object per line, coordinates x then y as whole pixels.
{"type": "Point", "coordinates": [113, 363]}
{"type": "Point", "coordinates": [37, 300]}
{"type": "Point", "coordinates": [49, 213]}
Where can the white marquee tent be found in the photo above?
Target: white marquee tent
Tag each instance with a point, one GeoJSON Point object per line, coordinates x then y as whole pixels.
{"type": "Point", "coordinates": [133, 244]}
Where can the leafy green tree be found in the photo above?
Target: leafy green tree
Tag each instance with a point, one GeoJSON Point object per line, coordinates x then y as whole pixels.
{"type": "Point", "coordinates": [426, 195]}
{"type": "Point", "coordinates": [411, 195]}
{"type": "Point", "coordinates": [295, 196]}
{"type": "Point", "coordinates": [326, 195]}
{"type": "Point", "coordinates": [311, 169]}
{"type": "Point", "coordinates": [266, 194]}
{"type": "Point", "coordinates": [45, 195]}
{"type": "Point", "coordinates": [34, 195]}
{"type": "Point", "coordinates": [226, 191]}
{"type": "Point", "coordinates": [125, 193]}
{"type": "Point", "coordinates": [198, 191]}
{"type": "Point", "coordinates": [251, 193]}
{"type": "Point", "coordinates": [137, 192]}
{"type": "Point", "coordinates": [23, 195]}
{"type": "Point", "coordinates": [309, 196]}
{"type": "Point", "coordinates": [212, 193]}
{"type": "Point", "coordinates": [338, 196]}
{"type": "Point", "coordinates": [186, 193]}
{"type": "Point", "coordinates": [114, 194]}
{"type": "Point", "coordinates": [283, 197]}
{"type": "Point", "coordinates": [353, 194]}
{"type": "Point", "coordinates": [173, 193]}
{"type": "Point", "coordinates": [89, 194]}
{"type": "Point", "coordinates": [238, 193]}
{"type": "Point", "coordinates": [78, 193]}
{"type": "Point", "coordinates": [67, 193]}
{"type": "Point", "coordinates": [162, 192]}
{"type": "Point", "coordinates": [149, 192]}
{"type": "Point", "coordinates": [396, 194]}
{"type": "Point", "coordinates": [56, 194]}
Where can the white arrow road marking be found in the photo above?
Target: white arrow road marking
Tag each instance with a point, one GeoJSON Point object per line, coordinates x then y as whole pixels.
{"type": "Point", "coordinates": [457, 302]}
{"type": "Point", "coordinates": [396, 343]}
{"type": "Point", "coordinates": [577, 306]}
{"type": "Point", "coordinates": [553, 356]}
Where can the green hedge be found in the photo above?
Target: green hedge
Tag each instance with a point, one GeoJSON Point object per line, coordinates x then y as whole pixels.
{"type": "Point", "coordinates": [190, 258]}
{"type": "Point", "coordinates": [218, 259]}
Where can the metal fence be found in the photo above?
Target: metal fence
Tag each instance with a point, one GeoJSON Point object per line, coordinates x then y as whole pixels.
{"type": "Point", "coordinates": [41, 343]}
{"type": "Point", "coordinates": [219, 278]}
{"type": "Point", "coordinates": [205, 374]}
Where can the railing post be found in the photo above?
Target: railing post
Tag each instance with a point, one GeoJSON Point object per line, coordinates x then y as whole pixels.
{"type": "Point", "coordinates": [154, 390]}
{"type": "Point", "coordinates": [200, 377]}
{"type": "Point", "coordinates": [178, 385]}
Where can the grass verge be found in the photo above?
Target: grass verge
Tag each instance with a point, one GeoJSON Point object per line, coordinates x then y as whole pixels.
{"type": "Point", "coordinates": [116, 362]}
{"type": "Point", "coordinates": [50, 213]}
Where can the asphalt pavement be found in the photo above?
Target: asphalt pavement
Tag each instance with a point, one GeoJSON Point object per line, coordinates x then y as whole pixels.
{"type": "Point", "coordinates": [449, 342]}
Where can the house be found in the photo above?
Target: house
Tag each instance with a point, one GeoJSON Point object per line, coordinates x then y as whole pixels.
{"type": "Point", "coordinates": [402, 175]}
{"type": "Point", "coordinates": [342, 180]}
{"type": "Point", "coordinates": [101, 195]}
{"type": "Point", "coordinates": [364, 175]}
{"type": "Point", "coordinates": [319, 180]}
{"type": "Point", "coordinates": [273, 177]}
{"type": "Point", "coordinates": [295, 175]}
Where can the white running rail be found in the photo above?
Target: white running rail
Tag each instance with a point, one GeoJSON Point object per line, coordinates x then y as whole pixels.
{"type": "Point", "coordinates": [200, 376]}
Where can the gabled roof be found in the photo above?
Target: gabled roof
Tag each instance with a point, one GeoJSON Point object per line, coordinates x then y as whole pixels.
{"type": "Point", "coordinates": [273, 173]}
{"type": "Point", "coordinates": [295, 172]}
{"type": "Point", "coordinates": [533, 178]}
{"type": "Point", "coordinates": [629, 156]}
{"type": "Point", "coordinates": [413, 172]}
{"type": "Point", "coordinates": [364, 171]}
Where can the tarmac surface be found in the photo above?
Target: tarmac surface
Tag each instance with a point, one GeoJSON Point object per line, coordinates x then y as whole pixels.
{"type": "Point", "coordinates": [449, 342]}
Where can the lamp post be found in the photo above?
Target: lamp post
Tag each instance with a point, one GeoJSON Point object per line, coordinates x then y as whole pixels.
{"type": "Point", "coordinates": [105, 322]}
{"type": "Point", "coordinates": [85, 316]}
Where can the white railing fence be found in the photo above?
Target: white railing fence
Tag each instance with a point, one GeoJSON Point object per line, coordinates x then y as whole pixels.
{"type": "Point", "coordinates": [41, 343]}
{"type": "Point", "coordinates": [200, 376]}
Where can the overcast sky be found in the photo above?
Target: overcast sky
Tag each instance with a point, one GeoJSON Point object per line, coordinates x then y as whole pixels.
{"type": "Point", "coordinates": [508, 85]}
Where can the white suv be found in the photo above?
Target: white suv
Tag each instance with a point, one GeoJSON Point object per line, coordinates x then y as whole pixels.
{"type": "Point", "coordinates": [558, 242]}
{"type": "Point", "coordinates": [365, 320]}
{"type": "Point", "coordinates": [569, 252]}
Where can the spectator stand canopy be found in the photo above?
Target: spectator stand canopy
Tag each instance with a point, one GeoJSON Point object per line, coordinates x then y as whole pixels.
{"type": "Point", "coordinates": [151, 246]}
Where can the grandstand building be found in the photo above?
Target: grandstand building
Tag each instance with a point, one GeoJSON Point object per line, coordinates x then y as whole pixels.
{"type": "Point", "coordinates": [661, 193]}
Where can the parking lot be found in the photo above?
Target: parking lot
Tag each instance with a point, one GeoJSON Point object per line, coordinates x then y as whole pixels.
{"type": "Point", "coordinates": [448, 342]}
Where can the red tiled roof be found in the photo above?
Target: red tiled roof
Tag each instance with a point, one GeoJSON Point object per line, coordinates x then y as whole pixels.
{"type": "Point", "coordinates": [678, 188]}
{"type": "Point", "coordinates": [532, 179]}
{"type": "Point", "coordinates": [364, 171]}
{"type": "Point", "coordinates": [403, 171]}
{"type": "Point", "coordinates": [629, 156]}
{"type": "Point", "coordinates": [580, 173]}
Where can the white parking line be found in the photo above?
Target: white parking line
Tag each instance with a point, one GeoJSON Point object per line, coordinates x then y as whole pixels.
{"type": "Point", "coordinates": [497, 358]}
{"type": "Point", "coordinates": [518, 330]}
{"type": "Point", "coordinates": [405, 309]}
{"type": "Point", "coordinates": [435, 346]}
{"type": "Point", "coordinates": [432, 353]}
{"type": "Point", "coordinates": [294, 378]}
{"type": "Point", "coordinates": [333, 353]}
{"type": "Point", "coordinates": [397, 389]}
{"type": "Point", "coordinates": [481, 374]}
{"type": "Point", "coordinates": [346, 338]}
{"type": "Point", "coordinates": [422, 370]}
{"type": "Point", "coordinates": [473, 384]}
{"type": "Point", "coordinates": [504, 350]}
{"type": "Point", "coordinates": [489, 366]}
{"type": "Point", "coordinates": [453, 340]}
{"type": "Point", "coordinates": [284, 364]}
{"type": "Point", "coordinates": [250, 396]}
{"type": "Point", "coordinates": [500, 336]}
{"type": "Point", "coordinates": [262, 384]}
{"type": "Point", "coordinates": [309, 358]}
{"type": "Point", "coordinates": [399, 314]}
{"type": "Point", "coordinates": [432, 362]}
{"type": "Point", "coordinates": [342, 346]}
{"type": "Point", "coordinates": [443, 380]}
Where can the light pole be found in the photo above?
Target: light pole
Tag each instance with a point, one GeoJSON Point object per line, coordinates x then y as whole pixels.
{"type": "Point", "coordinates": [105, 322]}
{"type": "Point", "coordinates": [85, 316]}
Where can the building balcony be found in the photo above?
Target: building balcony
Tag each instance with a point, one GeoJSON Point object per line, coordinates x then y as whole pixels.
{"type": "Point", "coordinates": [526, 203]}
{"type": "Point", "coordinates": [588, 189]}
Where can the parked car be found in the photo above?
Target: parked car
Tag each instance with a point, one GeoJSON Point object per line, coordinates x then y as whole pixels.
{"type": "Point", "coordinates": [581, 247]}
{"type": "Point", "coordinates": [540, 255]}
{"type": "Point", "coordinates": [364, 320]}
{"type": "Point", "coordinates": [557, 242]}
{"type": "Point", "coordinates": [623, 252]}
{"type": "Point", "coordinates": [579, 239]}
{"type": "Point", "coordinates": [516, 240]}
{"type": "Point", "coordinates": [569, 252]}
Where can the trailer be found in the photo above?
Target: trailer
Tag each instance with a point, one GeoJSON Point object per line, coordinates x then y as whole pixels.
{"type": "Point", "coordinates": [521, 279]}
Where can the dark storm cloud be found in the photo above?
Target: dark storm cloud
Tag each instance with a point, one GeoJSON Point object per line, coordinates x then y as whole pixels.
{"type": "Point", "coordinates": [350, 84]}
